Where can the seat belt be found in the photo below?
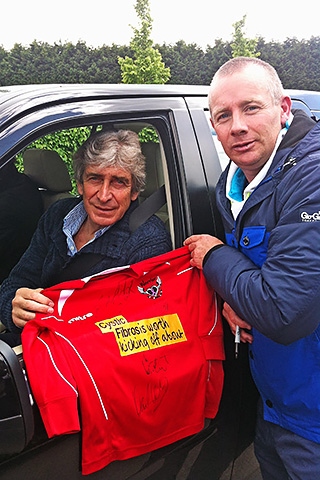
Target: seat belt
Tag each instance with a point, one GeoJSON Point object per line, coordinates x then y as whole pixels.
{"type": "Point", "coordinates": [148, 208]}
{"type": "Point", "coordinates": [78, 266]}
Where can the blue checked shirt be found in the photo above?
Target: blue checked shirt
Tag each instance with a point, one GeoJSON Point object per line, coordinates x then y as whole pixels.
{"type": "Point", "coordinates": [71, 225]}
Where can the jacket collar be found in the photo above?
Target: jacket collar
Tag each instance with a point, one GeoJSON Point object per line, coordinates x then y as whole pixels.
{"type": "Point", "coordinates": [300, 139]}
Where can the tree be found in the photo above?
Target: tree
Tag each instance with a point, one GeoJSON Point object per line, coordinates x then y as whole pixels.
{"type": "Point", "coordinates": [186, 62]}
{"type": "Point", "coordinates": [297, 62]}
{"type": "Point", "coordinates": [215, 57]}
{"type": "Point", "coordinates": [242, 46]}
{"type": "Point", "coordinates": [146, 66]}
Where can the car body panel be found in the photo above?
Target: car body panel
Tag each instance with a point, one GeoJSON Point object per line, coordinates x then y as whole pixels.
{"type": "Point", "coordinates": [307, 100]}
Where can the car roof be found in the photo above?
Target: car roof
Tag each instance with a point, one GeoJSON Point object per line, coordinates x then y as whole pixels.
{"type": "Point", "coordinates": [310, 97]}
{"type": "Point", "coordinates": [17, 100]}
{"type": "Point", "coordinates": [84, 90]}
{"type": "Point", "coordinates": [67, 91]}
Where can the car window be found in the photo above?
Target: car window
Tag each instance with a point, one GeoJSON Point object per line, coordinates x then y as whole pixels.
{"type": "Point", "coordinates": [47, 162]}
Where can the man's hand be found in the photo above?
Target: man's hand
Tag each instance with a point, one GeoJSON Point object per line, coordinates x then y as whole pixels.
{"type": "Point", "coordinates": [26, 303]}
{"type": "Point", "coordinates": [199, 245]}
{"type": "Point", "coordinates": [233, 320]}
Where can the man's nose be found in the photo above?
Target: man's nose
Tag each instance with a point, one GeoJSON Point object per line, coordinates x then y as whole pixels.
{"type": "Point", "coordinates": [239, 125]}
{"type": "Point", "coordinates": [104, 192]}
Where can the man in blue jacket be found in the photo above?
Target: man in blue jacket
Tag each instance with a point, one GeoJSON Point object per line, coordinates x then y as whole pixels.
{"type": "Point", "coordinates": [268, 271]}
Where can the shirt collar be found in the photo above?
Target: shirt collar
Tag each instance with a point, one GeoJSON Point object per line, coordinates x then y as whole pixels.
{"type": "Point", "coordinates": [71, 225]}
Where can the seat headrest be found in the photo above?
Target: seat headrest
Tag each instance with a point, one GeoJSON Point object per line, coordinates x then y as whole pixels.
{"type": "Point", "coordinates": [47, 169]}
{"type": "Point", "coordinates": [154, 173]}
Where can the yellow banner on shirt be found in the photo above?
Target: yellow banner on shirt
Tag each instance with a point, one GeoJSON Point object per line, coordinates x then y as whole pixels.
{"type": "Point", "coordinates": [148, 334]}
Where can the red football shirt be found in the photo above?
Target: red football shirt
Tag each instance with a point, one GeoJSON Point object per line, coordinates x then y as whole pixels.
{"type": "Point", "coordinates": [132, 357]}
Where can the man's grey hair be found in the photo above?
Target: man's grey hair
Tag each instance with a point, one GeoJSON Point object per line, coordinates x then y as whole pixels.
{"type": "Point", "coordinates": [240, 63]}
{"type": "Point", "coordinates": [112, 149]}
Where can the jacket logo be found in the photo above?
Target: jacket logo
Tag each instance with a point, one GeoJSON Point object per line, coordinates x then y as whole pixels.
{"type": "Point", "coordinates": [310, 217]}
{"type": "Point", "coordinates": [154, 291]}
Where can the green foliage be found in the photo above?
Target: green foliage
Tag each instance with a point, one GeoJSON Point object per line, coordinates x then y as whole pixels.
{"type": "Point", "coordinates": [148, 134]}
{"type": "Point", "coordinates": [146, 66]}
{"type": "Point", "coordinates": [297, 62]}
{"type": "Point", "coordinates": [187, 60]}
{"type": "Point", "coordinates": [242, 46]}
{"type": "Point", "coordinates": [60, 63]}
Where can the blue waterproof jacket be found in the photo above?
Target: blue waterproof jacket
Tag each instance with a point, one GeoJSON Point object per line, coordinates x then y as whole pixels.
{"type": "Point", "coordinates": [270, 275]}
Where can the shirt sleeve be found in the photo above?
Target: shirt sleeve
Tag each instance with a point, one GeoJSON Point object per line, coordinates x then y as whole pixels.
{"type": "Point", "coordinates": [56, 391]}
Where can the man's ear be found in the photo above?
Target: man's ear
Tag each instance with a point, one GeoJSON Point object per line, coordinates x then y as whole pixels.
{"type": "Point", "coordinates": [285, 109]}
{"type": "Point", "coordinates": [134, 196]}
{"type": "Point", "coordinates": [80, 188]}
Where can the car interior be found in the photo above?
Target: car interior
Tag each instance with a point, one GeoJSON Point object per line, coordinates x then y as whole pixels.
{"type": "Point", "coordinates": [49, 172]}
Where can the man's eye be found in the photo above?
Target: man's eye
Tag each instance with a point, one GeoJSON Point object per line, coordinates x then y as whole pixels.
{"type": "Point", "coordinates": [223, 116]}
{"type": "Point", "coordinates": [93, 179]}
{"type": "Point", "coordinates": [252, 108]}
{"type": "Point", "coordinates": [120, 182]}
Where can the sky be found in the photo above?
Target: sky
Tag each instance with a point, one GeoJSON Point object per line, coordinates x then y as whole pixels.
{"type": "Point", "coordinates": [102, 22]}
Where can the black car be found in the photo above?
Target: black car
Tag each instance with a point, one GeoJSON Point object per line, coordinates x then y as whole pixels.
{"type": "Point", "coordinates": [184, 159]}
{"type": "Point", "coordinates": [306, 100]}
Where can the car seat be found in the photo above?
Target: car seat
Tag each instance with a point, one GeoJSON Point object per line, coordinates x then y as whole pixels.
{"type": "Point", "coordinates": [49, 172]}
{"type": "Point", "coordinates": [154, 175]}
